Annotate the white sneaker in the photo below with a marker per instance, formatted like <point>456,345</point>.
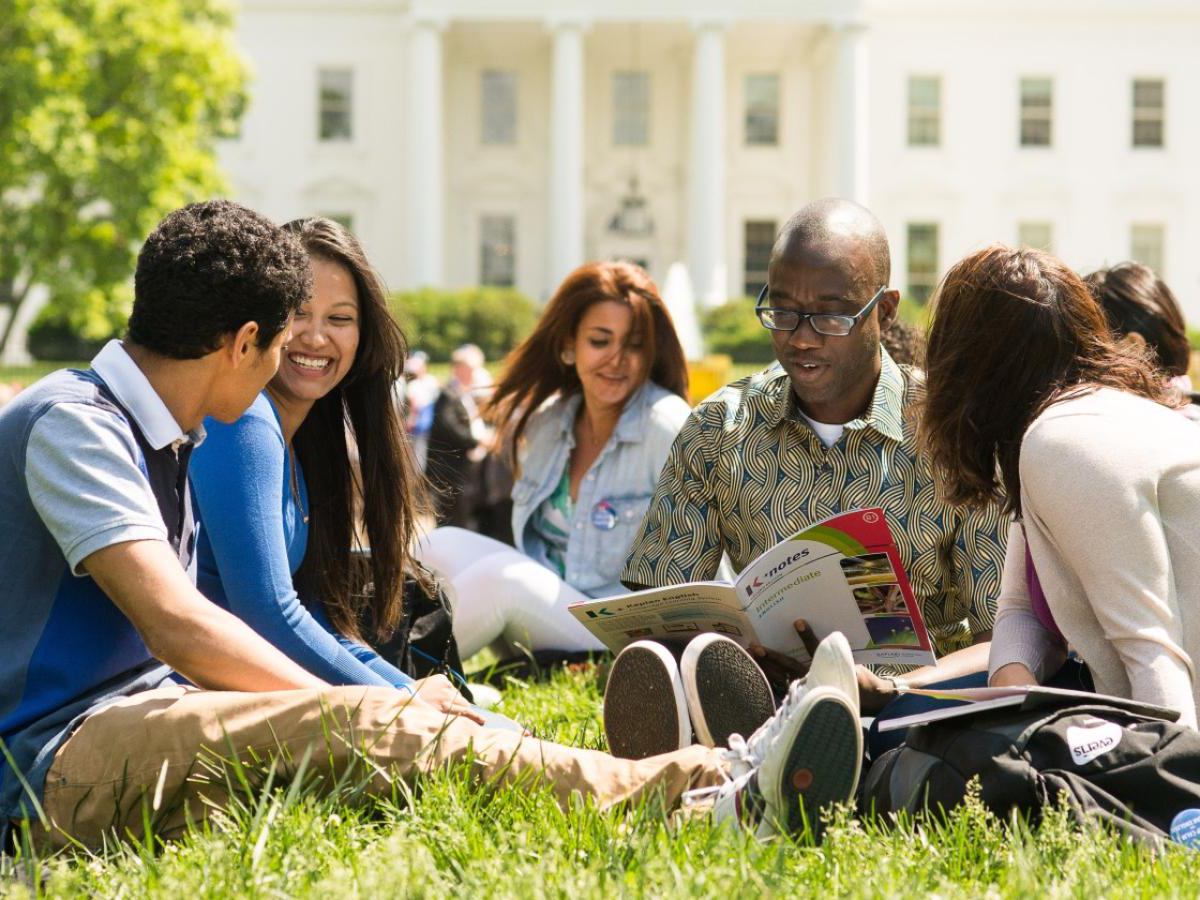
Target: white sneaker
<point>645,712</point>
<point>833,666</point>
<point>810,758</point>
<point>727,693</point>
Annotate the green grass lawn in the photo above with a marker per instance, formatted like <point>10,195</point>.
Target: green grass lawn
<point>451,838</point>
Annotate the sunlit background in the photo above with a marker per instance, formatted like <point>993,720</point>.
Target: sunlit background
<point>486,143</point>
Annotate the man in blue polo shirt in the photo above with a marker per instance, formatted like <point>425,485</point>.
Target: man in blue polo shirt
<point>98,613</point>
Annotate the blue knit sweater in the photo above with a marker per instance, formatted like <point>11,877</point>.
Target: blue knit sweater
<point>252,540</point>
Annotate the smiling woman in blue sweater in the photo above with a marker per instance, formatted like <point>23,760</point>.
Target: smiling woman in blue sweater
<point>275,490</point>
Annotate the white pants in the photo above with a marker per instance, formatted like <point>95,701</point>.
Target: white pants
<point>499,593</point>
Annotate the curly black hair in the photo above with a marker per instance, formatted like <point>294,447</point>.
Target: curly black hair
<point>207,270</point>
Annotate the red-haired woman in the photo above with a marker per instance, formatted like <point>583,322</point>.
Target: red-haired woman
<point>1032,399</point>
<point>593,400</point>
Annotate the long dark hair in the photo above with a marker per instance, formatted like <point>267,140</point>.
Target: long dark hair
<point>534,370</point>
<point>1135,300</point>
<point>1012,332</point>
<point>386,479</point>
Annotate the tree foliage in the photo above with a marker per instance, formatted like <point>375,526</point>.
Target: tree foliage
<point>109,110</point>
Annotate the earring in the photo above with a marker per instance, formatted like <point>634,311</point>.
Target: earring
<point>568,357</point>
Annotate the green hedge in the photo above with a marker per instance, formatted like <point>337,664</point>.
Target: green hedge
<point>438,321</point>
<point>733,329</point>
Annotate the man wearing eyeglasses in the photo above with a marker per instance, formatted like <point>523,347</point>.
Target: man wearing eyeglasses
<point>830,428</point>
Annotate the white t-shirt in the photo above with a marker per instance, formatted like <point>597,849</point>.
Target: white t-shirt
<point>828,434</point>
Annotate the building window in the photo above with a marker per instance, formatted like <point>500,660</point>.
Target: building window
<point>1146,245</point>
<point>924,111</point>
<point>335,104</point>
<point>1036,235</point>
<point>1148,94</point>
<point>498,107</point>
<point>631,109</point>
<point>1037,111</point>
<point>922,260</point>
<point>756,252</point>
<point>345,219</point>
<point>762,110</point>
<point>497,251</point>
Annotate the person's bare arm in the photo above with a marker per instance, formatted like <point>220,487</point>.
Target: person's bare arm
<point>182,628</point>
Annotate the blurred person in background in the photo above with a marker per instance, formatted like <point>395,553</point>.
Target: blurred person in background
<point>905,343</point>
<point>590,404</point>
<point>421,391</point>
<point>1141,309</point>
<point>1032,402</point>
<point>459,439</point>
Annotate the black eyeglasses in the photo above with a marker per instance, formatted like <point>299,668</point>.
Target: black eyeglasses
<point>822,323</point>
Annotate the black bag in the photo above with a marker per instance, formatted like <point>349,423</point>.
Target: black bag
<point>423,643</point>
<point>1131,770</point>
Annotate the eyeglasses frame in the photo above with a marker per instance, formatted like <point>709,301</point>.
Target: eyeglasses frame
<point>808,317</point>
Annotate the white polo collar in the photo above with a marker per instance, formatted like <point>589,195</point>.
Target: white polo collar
<point>135,393</point>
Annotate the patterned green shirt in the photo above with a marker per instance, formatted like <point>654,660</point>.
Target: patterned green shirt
<point>747,471</point>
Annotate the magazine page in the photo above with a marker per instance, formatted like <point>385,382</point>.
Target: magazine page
<point>842,574</point>
<point>670,615</point>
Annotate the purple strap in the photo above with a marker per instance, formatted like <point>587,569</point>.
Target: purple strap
<point>1037,597</point>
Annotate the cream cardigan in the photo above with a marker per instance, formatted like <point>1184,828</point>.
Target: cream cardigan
<point>1110,497</point>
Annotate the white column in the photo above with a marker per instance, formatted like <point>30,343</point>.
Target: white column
<point>706,227</point>
<point>853,113</point>
<point>425,188</point>
<point>566,150</point>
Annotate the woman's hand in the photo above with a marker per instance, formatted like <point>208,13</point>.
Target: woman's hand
<point>1013,674</point>
<point>440,693</point>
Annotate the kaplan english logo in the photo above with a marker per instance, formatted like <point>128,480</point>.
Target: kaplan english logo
<point>772,572</point>
<point>1089,742</point>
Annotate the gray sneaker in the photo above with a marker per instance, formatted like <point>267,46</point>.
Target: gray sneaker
<point>727,693</point>
<point>645,712</point>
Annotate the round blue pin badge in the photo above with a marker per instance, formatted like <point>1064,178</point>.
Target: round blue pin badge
<point>1185,828</point>
<point>604,516</point>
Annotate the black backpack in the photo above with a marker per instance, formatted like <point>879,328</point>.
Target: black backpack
<point>423,643</point>
<point>1115,765</point>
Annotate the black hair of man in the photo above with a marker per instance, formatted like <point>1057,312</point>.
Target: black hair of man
<point>207,270</point>
<point>824,231</point>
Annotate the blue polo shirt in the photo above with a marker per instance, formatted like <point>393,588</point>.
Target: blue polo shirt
<point>88,459</point>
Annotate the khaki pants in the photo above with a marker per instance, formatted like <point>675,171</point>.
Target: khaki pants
<point>147,752</point>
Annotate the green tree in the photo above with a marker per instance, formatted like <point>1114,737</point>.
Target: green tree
<point>109,111</point>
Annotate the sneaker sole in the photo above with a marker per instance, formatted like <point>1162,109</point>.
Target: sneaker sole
<point>645,712</point>
<point>828,747</point>
<point>726,691</point>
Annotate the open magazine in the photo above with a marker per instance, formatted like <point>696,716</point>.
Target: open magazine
<point>842,574</point>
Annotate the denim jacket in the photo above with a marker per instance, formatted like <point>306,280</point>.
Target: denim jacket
<point>613,495</point>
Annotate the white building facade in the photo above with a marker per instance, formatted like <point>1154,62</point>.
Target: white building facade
<point>507,141</point>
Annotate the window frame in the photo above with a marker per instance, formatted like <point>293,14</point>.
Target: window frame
<point>754,279</point>
<point>919,282</point>
<point>494,132</point>
<point>630,112</point>
<point>918,115</point>
<point>755,114</point>
<point>487,246</point>
<point>334,135</point>
<point>1144,115</point>
<point>1030,117</point>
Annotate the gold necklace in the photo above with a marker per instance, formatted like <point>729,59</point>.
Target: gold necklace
<point>296,486</point>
